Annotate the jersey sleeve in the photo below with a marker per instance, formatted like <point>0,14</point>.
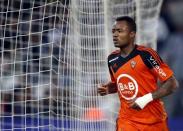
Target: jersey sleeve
<point>154,62</point>
<point>111,72</point>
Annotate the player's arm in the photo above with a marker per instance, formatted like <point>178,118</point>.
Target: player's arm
<point>162,72</point>
<point>167,88</point>
<point>107,88</point>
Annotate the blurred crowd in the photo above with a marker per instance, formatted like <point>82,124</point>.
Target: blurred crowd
<point>170,48</point>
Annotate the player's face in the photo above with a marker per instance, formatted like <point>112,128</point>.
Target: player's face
<point>122,36</point>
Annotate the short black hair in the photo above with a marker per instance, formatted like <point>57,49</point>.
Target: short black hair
<point>129,20</point>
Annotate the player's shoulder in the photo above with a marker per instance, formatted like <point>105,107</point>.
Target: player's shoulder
<point>148,53</point>
<point>146,49</point>
<point>113,55</point>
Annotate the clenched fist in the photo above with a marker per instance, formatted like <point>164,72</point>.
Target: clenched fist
<point>103,89</point>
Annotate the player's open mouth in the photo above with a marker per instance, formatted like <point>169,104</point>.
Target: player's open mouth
<point>115,40</point>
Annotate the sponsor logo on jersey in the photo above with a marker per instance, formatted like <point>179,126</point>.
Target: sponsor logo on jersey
<point>157,67</point>
<point>127,86</point>
<point>113,59</point>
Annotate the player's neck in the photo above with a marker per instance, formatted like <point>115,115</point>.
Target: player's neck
<point>125,51</point>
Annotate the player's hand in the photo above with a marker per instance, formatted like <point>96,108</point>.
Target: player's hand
<point>102,90</point>
<point>134,105</point>
<point>142,101</point>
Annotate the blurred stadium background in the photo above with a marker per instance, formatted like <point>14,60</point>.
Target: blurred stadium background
<point>53,56</point>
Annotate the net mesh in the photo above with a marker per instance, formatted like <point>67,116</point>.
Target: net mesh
<point>53,55</point>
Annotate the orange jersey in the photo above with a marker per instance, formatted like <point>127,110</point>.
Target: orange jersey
<point>136,75</point>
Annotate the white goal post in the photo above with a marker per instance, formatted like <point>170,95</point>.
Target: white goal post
<point>53,55</point>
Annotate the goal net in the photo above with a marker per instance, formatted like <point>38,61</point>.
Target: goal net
<point>53,56</point>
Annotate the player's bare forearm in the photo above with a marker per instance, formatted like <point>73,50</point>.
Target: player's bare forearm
<point>112,88</point>
<point>107,88</point>
<point>166,88</point>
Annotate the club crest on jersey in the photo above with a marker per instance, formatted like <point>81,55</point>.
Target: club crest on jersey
<point>133,63</point>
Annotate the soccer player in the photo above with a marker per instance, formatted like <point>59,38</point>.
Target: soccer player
<point>135,71</point>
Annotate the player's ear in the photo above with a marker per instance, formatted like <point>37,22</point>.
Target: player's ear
<point>132,34</point>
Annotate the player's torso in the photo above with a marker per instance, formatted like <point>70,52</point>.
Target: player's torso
<point>132,76</point>
<point>135,76</point>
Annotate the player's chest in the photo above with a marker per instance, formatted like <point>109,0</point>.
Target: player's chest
<point>127,66</point>
<point>128,74</point>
